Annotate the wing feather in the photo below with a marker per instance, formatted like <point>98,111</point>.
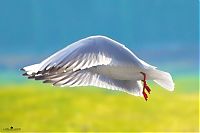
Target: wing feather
<point>88,78</point>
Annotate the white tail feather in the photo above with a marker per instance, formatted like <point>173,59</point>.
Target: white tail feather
<point>162,78</point>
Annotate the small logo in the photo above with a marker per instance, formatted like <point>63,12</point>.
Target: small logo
<point>11,129</point>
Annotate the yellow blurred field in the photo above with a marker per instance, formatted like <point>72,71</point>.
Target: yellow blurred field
<point>41,107</point>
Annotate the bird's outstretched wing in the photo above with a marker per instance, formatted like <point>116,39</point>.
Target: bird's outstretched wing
<point>87,77</point>
<point>92,51</point>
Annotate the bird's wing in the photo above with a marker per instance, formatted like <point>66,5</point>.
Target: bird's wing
<point>89,52</point>
<point>87,77</point>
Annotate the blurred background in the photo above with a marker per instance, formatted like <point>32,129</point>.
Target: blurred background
<point>162,33</point>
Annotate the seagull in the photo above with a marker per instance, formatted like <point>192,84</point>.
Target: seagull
<point>101,62</point>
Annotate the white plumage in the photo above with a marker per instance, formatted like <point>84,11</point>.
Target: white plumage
<point>98,61</point>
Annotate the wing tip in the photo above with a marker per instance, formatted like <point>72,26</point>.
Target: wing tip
<point>22,69</point>
<point>25,74</point>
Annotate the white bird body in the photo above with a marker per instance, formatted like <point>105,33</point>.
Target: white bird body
<point>98,61</point>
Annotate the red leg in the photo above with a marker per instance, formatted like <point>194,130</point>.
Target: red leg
<point>145,86</point>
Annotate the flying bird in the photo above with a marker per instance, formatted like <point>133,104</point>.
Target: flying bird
<point>102,62</point>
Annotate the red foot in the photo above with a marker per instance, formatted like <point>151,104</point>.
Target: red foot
<point>145,86</point>
<point>145,95</point>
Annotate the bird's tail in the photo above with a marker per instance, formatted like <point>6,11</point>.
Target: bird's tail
<point>162,78</point>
